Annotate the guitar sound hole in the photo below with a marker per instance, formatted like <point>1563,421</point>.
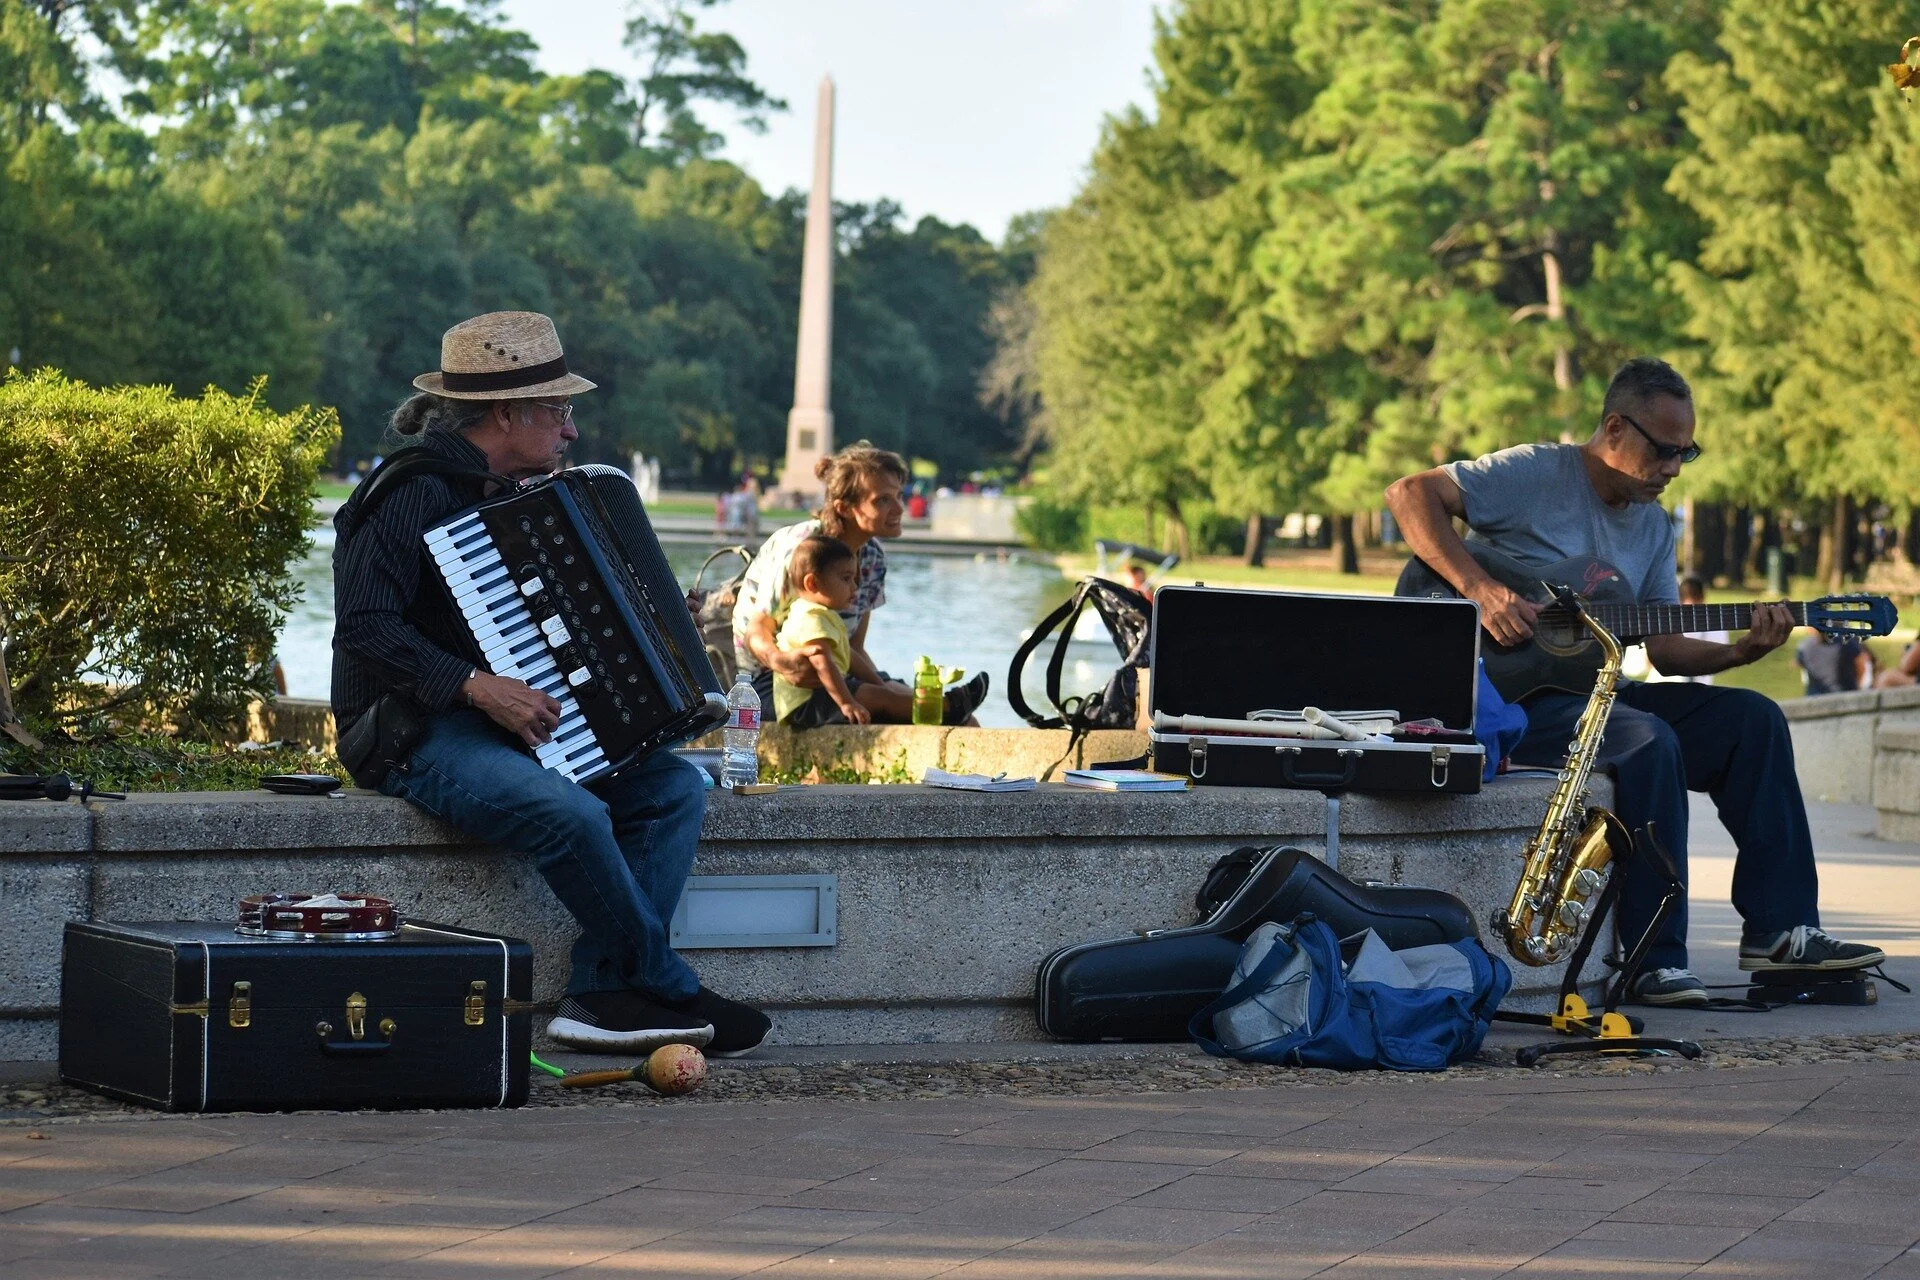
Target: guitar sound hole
<point>1560,636</point>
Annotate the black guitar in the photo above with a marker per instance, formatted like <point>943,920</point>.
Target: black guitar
<point>1563,655</point>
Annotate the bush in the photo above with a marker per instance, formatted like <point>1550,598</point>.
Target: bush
<point>147,540</point>
<point>1052,526</point>
<point>157,762</point>
<point>1215,533</point>
<point>1209,531</point>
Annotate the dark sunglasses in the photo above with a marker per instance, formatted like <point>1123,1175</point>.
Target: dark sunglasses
<point>1666,452</point>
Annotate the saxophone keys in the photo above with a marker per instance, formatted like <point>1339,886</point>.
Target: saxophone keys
<point>1587,880</point>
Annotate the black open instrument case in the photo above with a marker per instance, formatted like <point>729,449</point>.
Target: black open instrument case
<point>196,1017</point>
<point>1225,653</point>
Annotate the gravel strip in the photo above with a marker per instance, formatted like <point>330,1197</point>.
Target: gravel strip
<point>1149,1072</point>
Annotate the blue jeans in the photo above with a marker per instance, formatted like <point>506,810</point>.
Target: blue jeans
<point>616,853</point>
<point>1667,739</point>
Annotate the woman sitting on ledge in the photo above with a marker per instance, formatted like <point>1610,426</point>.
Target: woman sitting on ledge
<point>862,505</point>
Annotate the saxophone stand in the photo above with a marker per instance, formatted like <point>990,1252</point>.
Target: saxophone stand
<point>1613,1031</point>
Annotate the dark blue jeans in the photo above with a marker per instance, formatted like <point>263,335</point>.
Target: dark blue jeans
<point>615,853</point>
<point>1667,739</point>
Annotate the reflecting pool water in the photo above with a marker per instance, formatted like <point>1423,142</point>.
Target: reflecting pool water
<point>963,611</point>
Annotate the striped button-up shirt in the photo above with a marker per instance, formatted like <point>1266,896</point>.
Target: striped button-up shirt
<point>395,627</point>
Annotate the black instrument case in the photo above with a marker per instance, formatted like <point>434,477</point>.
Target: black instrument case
<point>1147,987</point>
<point>196,1017</point>
<point>1226,653</point>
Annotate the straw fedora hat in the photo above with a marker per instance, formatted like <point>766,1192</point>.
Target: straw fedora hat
<point>503,355</point>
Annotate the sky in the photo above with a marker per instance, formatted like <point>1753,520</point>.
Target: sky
<point>971,111</point>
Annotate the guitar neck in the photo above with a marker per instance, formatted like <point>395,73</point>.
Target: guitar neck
<point>1672,619</point>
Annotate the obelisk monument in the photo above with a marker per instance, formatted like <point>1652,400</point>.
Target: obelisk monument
<point>810,422</point>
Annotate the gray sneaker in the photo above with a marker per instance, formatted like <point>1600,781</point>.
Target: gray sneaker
<point>1805,947</point>
<point>1669,987</point>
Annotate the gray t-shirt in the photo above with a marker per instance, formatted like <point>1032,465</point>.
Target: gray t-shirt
<point>1534,503</point>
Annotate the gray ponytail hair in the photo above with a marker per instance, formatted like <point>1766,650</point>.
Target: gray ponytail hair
<point>423,411</point>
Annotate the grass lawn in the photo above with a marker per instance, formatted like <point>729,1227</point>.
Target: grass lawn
<point>1774,675</point>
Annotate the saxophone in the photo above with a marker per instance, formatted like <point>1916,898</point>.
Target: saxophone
<point>1568,859</point>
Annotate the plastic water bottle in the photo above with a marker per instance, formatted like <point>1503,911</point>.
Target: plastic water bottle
<point>929,695</point>
<point>740,759</point>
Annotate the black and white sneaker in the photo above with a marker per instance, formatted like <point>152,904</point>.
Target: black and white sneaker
<point>1805,947</point>
<point>1670,987</point>
<point>737,1028</point>
<point>963,699</point>
<point>625,1022</point>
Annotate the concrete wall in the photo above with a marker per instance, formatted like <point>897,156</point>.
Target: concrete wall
<point>1833,737</point>
<point>1896,782</point>
<point>948,901</point>
<point>975,517</point>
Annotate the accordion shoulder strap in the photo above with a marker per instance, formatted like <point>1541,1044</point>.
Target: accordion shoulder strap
<point>405,465</point>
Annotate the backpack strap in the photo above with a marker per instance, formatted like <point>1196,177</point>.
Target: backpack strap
<point>403,466</point>
<point>1027,646</point>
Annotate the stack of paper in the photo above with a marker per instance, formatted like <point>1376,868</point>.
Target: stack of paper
<point>1124,780</point>
<point>976,781</point>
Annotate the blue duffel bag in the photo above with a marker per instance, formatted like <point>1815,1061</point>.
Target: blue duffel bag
<point>1293,1001</point>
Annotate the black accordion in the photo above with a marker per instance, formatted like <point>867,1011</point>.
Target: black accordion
<point>563,585</point>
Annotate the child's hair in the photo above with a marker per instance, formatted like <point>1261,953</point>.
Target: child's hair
<point>816,554</point>
<point>1692,586</point>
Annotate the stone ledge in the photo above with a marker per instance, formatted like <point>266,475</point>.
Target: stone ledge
<point>1833,738</point>
<point>1896,782</point>
<point>41,826</point>
<point>161,822</point>
<point>948,900</point>
<point>1831,704</point>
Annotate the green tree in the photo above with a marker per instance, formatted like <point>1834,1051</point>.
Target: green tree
<point>685,66</point>
<point>1797,334</point>
<point>1354,239</point>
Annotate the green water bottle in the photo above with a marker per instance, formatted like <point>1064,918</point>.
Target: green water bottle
<point>929,696</point>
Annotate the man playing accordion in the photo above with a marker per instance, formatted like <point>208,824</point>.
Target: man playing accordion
<point>616,852</point>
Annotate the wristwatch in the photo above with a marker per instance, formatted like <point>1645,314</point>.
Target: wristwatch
<point>465,692</point>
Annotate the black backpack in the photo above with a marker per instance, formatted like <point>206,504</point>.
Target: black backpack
<point>1129,619</point>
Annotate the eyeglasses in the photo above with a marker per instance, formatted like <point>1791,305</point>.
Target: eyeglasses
<point>564,410</point>
<point>1666,452</point>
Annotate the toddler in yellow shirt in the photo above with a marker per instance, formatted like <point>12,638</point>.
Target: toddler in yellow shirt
<point>823,572</point>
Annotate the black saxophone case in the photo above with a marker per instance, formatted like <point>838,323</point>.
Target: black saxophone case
<point>1224,654</point>
<point>196,1017</point>
<point>1148,986</point>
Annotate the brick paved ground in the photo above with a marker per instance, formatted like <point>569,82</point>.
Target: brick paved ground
<point>1783,1171</point>
<point>1792,1172</point>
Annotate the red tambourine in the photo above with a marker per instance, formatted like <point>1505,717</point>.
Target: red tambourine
<point>319,917</point>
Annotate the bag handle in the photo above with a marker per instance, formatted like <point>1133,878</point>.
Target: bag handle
<point>1308,933</point>
<point>1020,656</point>
<point>1284,948</point>
<point>746,558</point>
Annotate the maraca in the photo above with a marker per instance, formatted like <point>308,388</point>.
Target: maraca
<point>670,1069</point>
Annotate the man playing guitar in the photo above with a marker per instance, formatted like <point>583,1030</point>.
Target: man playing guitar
<point>1541,503</point>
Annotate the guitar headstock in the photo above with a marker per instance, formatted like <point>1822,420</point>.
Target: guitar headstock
<point>1858,615</point>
